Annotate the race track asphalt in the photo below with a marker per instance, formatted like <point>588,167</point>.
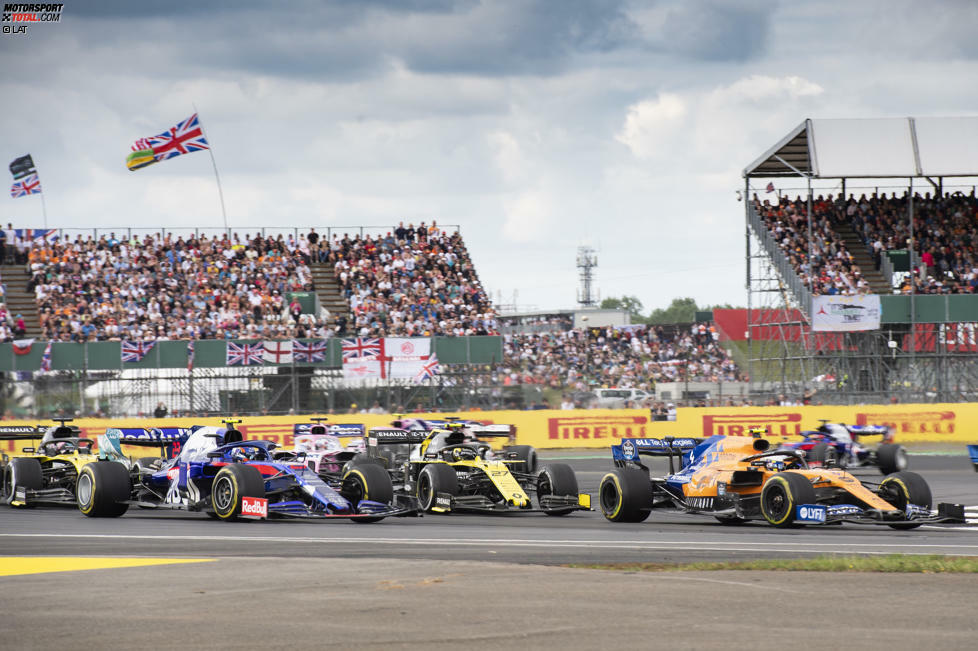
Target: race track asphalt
<point>582,537</point>
<point>477,581</point>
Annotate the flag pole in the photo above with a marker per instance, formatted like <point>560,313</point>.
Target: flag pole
<point>44,208</point>
<point>210,150</point>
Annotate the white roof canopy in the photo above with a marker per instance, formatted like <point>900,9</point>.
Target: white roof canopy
<point>874,148</point>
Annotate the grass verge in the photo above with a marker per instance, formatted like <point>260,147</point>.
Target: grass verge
<point>911,563</point>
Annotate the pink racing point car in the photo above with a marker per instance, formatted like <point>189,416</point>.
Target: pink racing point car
<point>321,446</point>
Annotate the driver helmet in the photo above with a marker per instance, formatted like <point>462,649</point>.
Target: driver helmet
<point>757,431</point>
<point>240,454</point>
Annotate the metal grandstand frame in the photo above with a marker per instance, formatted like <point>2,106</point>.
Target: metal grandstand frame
<point>899,362</point>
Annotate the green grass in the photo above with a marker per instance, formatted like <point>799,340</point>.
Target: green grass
<point>906,563</point>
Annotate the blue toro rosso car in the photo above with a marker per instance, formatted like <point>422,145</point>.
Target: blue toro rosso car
<point>219,473</point>
<point>843,446</point>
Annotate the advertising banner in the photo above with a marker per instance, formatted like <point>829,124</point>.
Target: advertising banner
<point>846,313</point>
<point>600,428</point>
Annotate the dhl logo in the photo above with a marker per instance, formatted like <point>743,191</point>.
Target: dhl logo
<point>787,424</point>
<point>917,422</point>
<point>597,427</point>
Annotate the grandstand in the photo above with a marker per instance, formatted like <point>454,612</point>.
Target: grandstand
<point>95,290</point>
<point>915,251</point>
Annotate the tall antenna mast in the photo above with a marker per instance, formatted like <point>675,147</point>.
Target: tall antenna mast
<point>587,260</point>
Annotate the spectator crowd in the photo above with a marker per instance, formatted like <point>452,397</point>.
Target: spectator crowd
<point>412,281</point>
<point>167,287</point>
<point>634,357</point>
<point>945,240</point>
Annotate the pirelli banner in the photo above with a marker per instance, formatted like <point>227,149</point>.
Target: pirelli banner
<point>599,428</point>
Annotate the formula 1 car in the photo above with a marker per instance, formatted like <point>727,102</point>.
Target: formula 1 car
<point>227,477</point>
<point>476,432</point>
<point>46,473</point>
<point>737,478</point>
<point>838,444</point>
<point>320,443</point>
<point>448,473</point>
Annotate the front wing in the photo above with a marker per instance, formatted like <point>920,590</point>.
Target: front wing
<point>447,503</point>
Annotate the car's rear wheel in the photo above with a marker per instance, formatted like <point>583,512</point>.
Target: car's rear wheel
<point>102,489</point>
<point>367,481</point>
<point>902,488</point>
<point>891,458</point>
<point>527,454</point>
<point>231,484</point>
<point>819,454</point>
<point>780,496</point>
<point>557,479</point>
<point>625,495</point>
<point>24,473</point>
<point>436,478</point>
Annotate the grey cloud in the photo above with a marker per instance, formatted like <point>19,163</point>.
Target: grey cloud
<point>713,30</point>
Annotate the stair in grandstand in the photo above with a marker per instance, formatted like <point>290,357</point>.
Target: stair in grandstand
<point>328,290</point>
<point>862,256</point>
<point>18,299</point>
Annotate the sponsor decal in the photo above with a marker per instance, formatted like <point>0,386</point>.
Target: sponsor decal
<point>810,513</point>
<point>444,502</point>
<point>844,509</point>
<point>914,511</point>
<point>20,495</point>
<point>628,450</point>
<point>784,424</point>
<point>915,422</point>
<point>596,427</point>
<point>254,507</point>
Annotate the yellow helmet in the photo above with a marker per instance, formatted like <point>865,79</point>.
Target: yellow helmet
<point>758,431</point>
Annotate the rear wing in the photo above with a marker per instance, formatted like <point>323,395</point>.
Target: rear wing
<point>19,432</point>
<point>394,436</point>
<point>335,429</point>
<point>488,431</point>
<point>168,439</point>
<point>631,449</point>
<point>868,430</point>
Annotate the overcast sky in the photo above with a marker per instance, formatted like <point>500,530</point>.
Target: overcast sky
<point>537,126</point>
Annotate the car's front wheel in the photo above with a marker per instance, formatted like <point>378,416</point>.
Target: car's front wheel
<point>780,496</point>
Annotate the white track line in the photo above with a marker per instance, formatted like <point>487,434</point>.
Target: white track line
<point>697,545</point>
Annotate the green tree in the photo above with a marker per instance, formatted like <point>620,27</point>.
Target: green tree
<point>628,303</point>
<point>681,310</point>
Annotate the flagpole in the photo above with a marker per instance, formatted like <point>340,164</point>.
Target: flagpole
<point>44,208</point>
<point>210,150</point>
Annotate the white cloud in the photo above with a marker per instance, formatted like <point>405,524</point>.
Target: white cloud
<point>650,124</point>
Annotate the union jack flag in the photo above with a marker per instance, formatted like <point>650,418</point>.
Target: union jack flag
<point>46,358</point>
<point>359,348</point>
<point>428,370</point>
<point>135,351</point>
<point>245,354</point>
<point>30,185</point>
<point>314,351</point>
<point>185,138</point>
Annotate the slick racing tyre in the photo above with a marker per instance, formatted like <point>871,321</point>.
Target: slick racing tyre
<point>625,495</point>
<point>436,478</point>
<point>780,496</point>
<point>102,489</point>
<point>891,458</point>
<point>21,472</point>
<point>231,483</point>
<point>820,455</point>
<point>367,481</point>
<point>557,479</point>
<point>527,454</point>
<point>902,488</point>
